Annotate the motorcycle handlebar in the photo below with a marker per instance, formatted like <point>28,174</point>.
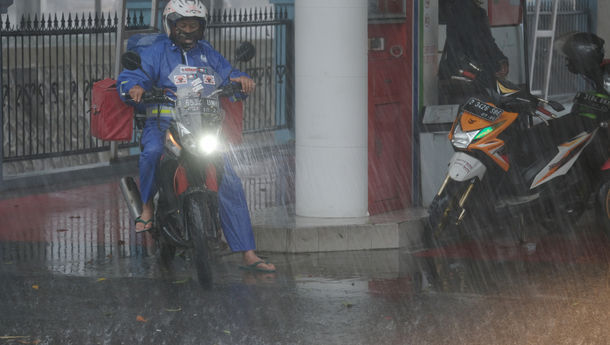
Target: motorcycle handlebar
<point>154,96</point>
<point>229,90</point>
<point>155,99</point>
<point>523,96</point>
<point>158,96</point>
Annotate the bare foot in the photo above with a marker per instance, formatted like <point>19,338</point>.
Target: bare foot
<point>250,259</point>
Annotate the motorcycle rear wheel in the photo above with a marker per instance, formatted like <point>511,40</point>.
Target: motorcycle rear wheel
<point>198,223</point>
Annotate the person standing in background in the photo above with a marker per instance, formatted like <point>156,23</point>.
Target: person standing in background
<point>469,39</point>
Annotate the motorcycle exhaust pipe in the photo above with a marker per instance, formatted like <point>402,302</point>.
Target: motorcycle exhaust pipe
<point>131,194</point>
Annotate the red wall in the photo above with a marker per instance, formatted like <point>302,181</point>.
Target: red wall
<point>390,85</point>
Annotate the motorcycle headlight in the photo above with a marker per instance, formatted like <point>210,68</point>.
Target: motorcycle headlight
<point>208,143</point>
<point>462,139</point>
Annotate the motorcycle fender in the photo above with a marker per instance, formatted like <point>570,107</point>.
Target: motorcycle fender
<point>192,190</point>
<point>463,167</point>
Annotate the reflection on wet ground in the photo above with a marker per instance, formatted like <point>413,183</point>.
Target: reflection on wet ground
<point>68,230</point>
<point>73,271</point>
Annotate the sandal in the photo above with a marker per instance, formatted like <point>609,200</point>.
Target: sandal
<point>254,267</point>
<point>145,222</point>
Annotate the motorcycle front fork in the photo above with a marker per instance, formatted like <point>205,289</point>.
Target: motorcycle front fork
<point>462,199</point>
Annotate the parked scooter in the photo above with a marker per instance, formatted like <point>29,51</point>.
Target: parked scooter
<point>190,169</point>
<point>508,171</point>
<point>584,53</point>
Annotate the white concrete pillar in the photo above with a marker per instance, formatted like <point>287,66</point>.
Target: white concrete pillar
<point>331,108</point>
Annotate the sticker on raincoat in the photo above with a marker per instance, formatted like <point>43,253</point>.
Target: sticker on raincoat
<point>180,79</point>
<point>209,79</point>
<point>196,82</point>
<point>187,69</point>
<point>197,87</point>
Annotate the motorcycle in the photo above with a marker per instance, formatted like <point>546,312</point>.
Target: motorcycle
<point>508,168</point>
<point>191,167</point>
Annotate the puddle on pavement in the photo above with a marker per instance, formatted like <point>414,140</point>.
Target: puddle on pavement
<point>95,239</point>
<point>348,276</point>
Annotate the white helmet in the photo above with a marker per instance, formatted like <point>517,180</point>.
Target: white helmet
<point>177,9</point>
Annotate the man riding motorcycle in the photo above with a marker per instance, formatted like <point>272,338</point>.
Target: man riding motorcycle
<point>184,22</point>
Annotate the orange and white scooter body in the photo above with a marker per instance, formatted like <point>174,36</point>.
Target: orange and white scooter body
<point>472,133</point>
<point>565,158</point>
<point>463,167</point>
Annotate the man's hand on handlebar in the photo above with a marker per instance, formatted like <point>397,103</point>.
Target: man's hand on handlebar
<point>247,85</point>
<point>136,93</point>
<point>154,96</point>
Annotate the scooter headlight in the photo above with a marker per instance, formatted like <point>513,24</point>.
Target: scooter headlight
<point>208,143</point>
<point>462,139</point>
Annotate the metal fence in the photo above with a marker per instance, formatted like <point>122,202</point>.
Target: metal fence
<point>271,106</point>
<point>572,15</point>
<point>48,68</point>
<point>49,65</point>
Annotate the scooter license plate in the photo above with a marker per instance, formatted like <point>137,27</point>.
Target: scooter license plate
<point>483,110</point>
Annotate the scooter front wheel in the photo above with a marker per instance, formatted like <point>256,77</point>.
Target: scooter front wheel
<point>446,214</point>
<point>603,207</point>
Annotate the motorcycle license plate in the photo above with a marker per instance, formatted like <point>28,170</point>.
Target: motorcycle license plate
<point>203,105</point>
<point>483,110</point>
<point>210,106</point>
<point>592,101</point>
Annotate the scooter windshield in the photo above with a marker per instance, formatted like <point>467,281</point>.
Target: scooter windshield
<point>196,102</point>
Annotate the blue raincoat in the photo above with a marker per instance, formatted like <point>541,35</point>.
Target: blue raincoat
<point>159,60</point>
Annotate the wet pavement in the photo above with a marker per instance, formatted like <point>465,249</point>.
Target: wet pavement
<point>73,272</point>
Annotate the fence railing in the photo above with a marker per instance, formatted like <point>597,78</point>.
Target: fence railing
<point>271,106</point>
<point>49,65</point>
<point>48,68</point>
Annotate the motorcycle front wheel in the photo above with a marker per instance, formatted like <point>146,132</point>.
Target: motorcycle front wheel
<point>198,223</point>
<point>167,251</point>
<point>603,206</point>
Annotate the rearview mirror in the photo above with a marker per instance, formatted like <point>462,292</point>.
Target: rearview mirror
<point>131,60</point>
<point>245,52</point>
